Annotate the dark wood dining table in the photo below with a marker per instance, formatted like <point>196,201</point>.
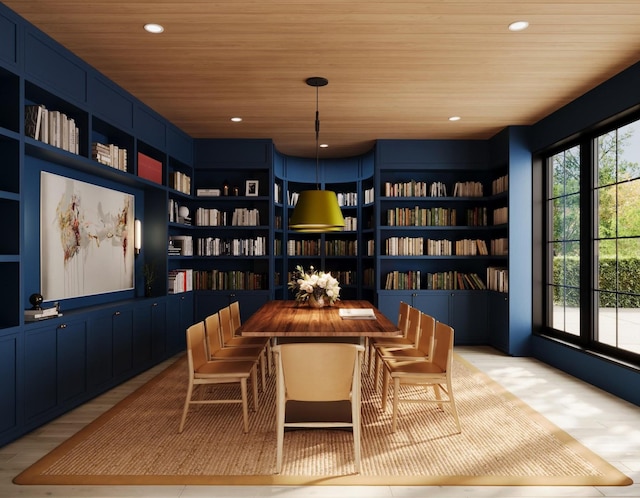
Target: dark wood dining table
<point>283,319</point>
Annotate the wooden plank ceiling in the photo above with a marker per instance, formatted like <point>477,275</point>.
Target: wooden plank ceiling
<point>396,69</point>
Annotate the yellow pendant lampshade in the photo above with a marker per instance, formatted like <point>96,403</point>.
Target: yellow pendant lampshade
<point>318,210</point>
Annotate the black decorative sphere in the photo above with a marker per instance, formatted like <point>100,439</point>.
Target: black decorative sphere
<point>36,300</point>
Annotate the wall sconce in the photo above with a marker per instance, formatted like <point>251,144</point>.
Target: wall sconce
<point>137,236</point>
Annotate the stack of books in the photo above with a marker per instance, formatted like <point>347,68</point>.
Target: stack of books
<point>40,314</point>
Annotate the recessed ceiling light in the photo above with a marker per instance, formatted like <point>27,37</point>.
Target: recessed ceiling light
<point>153,28</point>
<point>324,146</point>
<point>236,119</point>
<point>518,26</point>
<point>454,118</point>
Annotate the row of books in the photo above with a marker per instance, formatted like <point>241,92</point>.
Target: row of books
<point>419,246</point>
<point>347,198</point>
<point>415,188</point>
<point>500,215</point>
<point>180,280</point>
<point>500,185</point>
<point>229,280</point>
<point>468,189</point>
<point>454,280</point>
<point>350,224</point>
<point>174,215</point>
<point>418,216</point>
<point>213,217</point>
<point>397,280</point>
<point>109,155</point>
<point>52,127</point>
<point>341,247</point>
<point>303,247</point>
<point>180,181</point>
<point>180,245</point>
<point>500,247</point>
<point>369,195</point>
<point>498,279</point>
<point>215,246</point>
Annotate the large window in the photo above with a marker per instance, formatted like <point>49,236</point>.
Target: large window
<point>617,238</point>
<point>564,241</point>
<point>593,242</point>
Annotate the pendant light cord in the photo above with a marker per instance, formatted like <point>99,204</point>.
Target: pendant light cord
<point>317,140</point>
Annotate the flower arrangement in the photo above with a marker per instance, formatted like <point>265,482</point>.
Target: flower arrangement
<point>314,286</point>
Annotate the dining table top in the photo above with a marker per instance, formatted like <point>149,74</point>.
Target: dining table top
<point>281,318</point>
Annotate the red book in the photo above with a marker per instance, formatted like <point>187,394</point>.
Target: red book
<point>149,168</point>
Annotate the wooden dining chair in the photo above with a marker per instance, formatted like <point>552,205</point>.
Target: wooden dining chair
<point>232,339</point>
<point>403,323</point>
<point>217,350</point>
<point>312,372</point>
<point>422,352</point>
<point>435,373</point>
<point>204,372</point>
<point>409,341</point>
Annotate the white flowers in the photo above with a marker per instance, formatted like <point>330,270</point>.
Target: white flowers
<point>320,284</point>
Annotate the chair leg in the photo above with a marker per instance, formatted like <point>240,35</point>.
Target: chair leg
<point>385,388</point>
<point>187,402</point>
<point>396,396</point>
<point>254,385</point>
<point>245,409</point>
<point>452,402</point>
<point>356,421</point>
<point>263,368</point>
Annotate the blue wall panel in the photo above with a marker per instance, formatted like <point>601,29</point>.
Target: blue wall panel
<point>149,128</point>
<point>47,64</point>
<point>180,145</point>
<point>8,40</point>
<point>110,104</point>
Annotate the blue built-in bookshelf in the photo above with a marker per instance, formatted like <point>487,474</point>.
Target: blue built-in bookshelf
<point>102,339</point>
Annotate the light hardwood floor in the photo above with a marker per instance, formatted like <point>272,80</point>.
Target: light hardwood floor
<point>604,423</point>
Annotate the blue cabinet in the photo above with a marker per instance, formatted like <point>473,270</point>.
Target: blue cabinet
<point>465,311</point>
<point>100,349</point>
<point>179,318</point>
<point>9,351</point>
<point>122,327</point>
<point>54,365</point>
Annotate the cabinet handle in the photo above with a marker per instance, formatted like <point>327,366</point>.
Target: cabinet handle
<point>62,326</point>
<point>154,304</point>
<point>117,313</point>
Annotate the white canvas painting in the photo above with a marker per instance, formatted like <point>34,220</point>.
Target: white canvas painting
<point>86,238</point>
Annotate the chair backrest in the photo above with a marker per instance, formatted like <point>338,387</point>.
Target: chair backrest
<point>427,332</point>
<point>234,309</point>
<point>413,326</point>
<point>226,329</point>
<point>319,371</point>
<point>196,348</point>
<point>212,328</point>
<point>442,346</point>
<point>403,317</point>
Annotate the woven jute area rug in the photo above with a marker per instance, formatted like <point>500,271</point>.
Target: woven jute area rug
<point>503,442</point>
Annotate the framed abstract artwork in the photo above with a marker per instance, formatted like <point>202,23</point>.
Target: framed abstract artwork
<point>86,238</point>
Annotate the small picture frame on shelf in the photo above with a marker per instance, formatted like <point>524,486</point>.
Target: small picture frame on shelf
<point>251,188</point>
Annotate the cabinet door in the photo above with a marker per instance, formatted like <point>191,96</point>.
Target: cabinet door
<point>435,304</point>
<point>39,371</point>
<point>142,335</point>
<point>468,317</point>
<point>71,360</point>
<point>99,349</point>
<point>122,330</point>
<point>158,329</point>
<point>389,303</point>
<point>9,375</point>
<point>179,318</point>
<point>498,321</point>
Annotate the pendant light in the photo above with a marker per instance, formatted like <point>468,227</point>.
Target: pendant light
<point>317,210</point>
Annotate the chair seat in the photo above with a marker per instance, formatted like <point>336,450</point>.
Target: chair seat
<point>409,368</point>
<point>392,352</point>
<point>237,354</point>
<point>231,369</point>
